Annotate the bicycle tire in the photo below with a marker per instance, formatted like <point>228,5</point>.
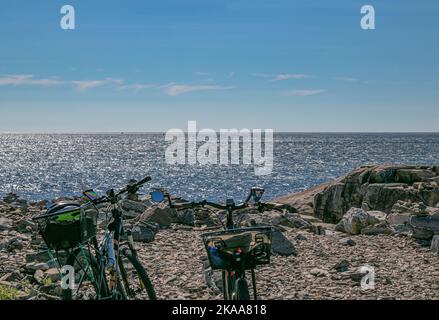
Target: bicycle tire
<point>127,286</point>
<point>242,291</point>
<point>229,282</point>
<point>100,291</point>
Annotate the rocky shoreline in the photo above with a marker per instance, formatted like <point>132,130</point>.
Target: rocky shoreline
<point>382,216</point>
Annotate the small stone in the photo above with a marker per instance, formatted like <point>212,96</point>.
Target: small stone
<point>39,276</point>
<point>300,237</point>
<point>16,245</point>
<point>342,266</point>
<point>5,224</point>
<point>347,242</point>
<point>319,273</point>
<point>37,266</point>
<point>435,244</point>
<point>52,274</point>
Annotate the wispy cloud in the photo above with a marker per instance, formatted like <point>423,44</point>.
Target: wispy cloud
<point>280,76</point>
<point>171,89</point>
<point>304,92</point>
<point>90,84</point>
<point>178,89</point>
<point>137,86</point>
<point>286,76</point>
<point>202,73</point>
<point>27,80</point>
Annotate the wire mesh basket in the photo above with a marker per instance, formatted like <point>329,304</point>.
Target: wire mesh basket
<point>253,245</point>
<point>68,225</point>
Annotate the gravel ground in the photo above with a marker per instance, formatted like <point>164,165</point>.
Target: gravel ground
<point>403,269</point>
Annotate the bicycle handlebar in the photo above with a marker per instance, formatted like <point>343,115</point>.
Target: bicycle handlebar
<point>106,198</point>
<point>135,185</point>
<point>261,206</point>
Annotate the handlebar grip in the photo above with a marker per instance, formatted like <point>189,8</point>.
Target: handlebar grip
<point>136,185</point>
<point>143,181</point>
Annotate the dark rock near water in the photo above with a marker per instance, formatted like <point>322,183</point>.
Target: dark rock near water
<point>281,245</point>
<point>424,227</point>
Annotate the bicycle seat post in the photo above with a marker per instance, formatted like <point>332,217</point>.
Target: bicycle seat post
<point>230,203</point>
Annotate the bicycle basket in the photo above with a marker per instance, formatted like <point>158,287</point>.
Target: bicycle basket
<point>67,225</point>
<point>253,243</point>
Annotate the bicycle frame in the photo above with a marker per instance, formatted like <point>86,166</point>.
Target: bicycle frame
<point>240,273</point>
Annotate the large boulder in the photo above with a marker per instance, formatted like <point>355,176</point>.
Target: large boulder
<point>281,245</point>
<point>380,228</point>
<point>163,216</point>
<point>303,201</point>
<point>274,218</point>
<point>184,217</point>
<point>377,187</point>
<point>143,233</point>
<point>357,221</point>
<point>425,227</point>
<point>132,209</point>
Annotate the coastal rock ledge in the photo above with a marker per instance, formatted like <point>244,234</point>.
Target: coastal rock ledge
<point>371,188</point>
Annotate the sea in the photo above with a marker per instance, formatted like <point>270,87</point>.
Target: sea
<point>47,166</point>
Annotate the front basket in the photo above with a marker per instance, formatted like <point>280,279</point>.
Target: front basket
<point>253,243</point>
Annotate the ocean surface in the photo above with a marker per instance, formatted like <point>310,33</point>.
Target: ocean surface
<point>45,166</point>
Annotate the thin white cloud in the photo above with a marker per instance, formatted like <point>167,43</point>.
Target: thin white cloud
<point>178,89</point>
<point>304,92</point>
<point>280,76</point>
<point>171,89</point>
<point>90,84</point>
<point>287,76</point>
<point>27,80</point>
<point>137,86</point>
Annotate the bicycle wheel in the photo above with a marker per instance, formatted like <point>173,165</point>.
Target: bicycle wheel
<point>90,282</point>
<point>242,291</point>
<point>134,280</point>
<point>229,281</point>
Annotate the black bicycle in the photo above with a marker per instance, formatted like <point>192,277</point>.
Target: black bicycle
<point>105,269</point>
<point>233,250</point>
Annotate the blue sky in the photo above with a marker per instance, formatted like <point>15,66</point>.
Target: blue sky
<point>282,64</point>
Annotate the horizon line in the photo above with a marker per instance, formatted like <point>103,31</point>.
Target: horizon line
<point>275,132</point>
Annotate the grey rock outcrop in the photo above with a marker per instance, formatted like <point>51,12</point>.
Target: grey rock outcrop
<point>425,227</point>
<point>358,221</point>
<point>379,188</point>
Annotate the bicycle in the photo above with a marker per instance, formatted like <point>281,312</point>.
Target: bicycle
<point>108,269</point>
<point>233,250</point>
